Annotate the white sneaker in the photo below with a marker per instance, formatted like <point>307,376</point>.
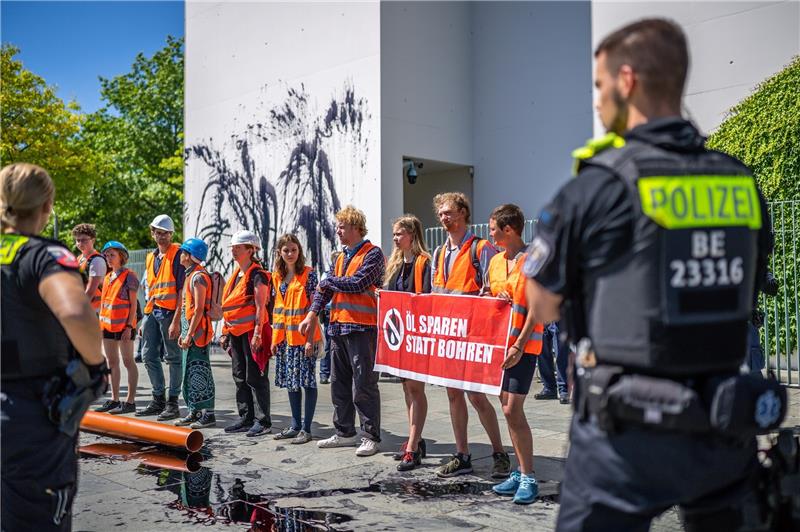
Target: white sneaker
<point>367,448</point>
<point>337,441</point>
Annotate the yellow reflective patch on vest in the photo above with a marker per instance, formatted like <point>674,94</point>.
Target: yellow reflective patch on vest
<point>9,246</point>
<point>683,202</point>
<point>595,146</point>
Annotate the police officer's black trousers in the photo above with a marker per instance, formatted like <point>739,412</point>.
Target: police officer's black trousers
<point>39,463</point>
<point>622,481</point>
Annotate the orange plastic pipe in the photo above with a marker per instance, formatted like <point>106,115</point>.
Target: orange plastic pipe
<point>129,428</point>
<point>154,458</point>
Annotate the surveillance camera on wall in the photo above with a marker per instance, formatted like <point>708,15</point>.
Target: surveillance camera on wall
<point>411,173</point>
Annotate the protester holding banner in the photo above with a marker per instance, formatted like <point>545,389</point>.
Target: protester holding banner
<point>459,267</point>
<point>408,270</point>
<point>293,287</point>
<point>505,227</point>
<point>351,288</point>
<point>244,307</point>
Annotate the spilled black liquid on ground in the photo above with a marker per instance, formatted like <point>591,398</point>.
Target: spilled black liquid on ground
<point>207,498</point>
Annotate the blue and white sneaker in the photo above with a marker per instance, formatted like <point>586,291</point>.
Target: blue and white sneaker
<point>527,491</point>
<point>509,486</point>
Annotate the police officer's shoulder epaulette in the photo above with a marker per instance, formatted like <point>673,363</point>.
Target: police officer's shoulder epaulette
<point>593,147</point>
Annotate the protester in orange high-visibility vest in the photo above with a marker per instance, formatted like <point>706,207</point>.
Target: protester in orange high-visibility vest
<point>118,322</point>
<point>525,342</point>
<point>93,266</point>
<point>293,287</point>
<point>351,289</point>
<point>459,267</point>
<point>409,270</point>
<point>196,335</point>
<point>164,276</point>
<point>244,306</point>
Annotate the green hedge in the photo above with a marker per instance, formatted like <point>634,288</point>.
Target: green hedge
<point>763,131</point>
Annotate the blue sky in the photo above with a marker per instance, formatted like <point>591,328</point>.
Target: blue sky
<point>71,44</point>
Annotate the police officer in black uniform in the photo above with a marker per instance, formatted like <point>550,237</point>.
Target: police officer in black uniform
<point>47,326</point>
<point>652,253</point>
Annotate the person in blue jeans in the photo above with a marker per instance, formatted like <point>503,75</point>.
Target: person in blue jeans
<point>554,377</point>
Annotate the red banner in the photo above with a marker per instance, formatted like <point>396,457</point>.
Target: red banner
<point>449,340</point>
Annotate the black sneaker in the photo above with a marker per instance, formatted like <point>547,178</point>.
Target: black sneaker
<point>411,459</point>
<point>108,405</point>
<point>188,420</point>
<point>287,433</point>
<point>171,411</point>
<point>240,426</point>
<point>138,359</point>
<point>501,467</point>
<point>258,430</point>
<point>456,466</point>
<point>123,408</point>
<point>207,420</point>
<point>155,407</point>
<point>324,380</point>
<point>545,395</point>
<point>564,399</point>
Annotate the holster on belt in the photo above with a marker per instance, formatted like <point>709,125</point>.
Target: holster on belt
<point>592,397</point>
<point>662,403</point>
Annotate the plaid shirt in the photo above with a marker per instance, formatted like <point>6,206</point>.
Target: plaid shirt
<point>369,274</point>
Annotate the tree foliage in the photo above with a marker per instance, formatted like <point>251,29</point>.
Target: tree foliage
<point>38,127</point>
<point>139,132</point>
<point>763,131</point>
<point>118,167</point>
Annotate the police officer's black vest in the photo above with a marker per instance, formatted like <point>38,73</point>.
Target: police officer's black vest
<point>678,301</point>
<point>34,344</point>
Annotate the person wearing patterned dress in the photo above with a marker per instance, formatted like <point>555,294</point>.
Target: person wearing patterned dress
<point>195,339</point>
<point>293,286</point>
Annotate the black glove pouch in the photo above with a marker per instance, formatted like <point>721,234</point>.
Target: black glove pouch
<point>746,405</point>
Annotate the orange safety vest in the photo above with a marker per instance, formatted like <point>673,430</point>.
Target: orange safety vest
<point>519,311</point>
<point>204,332</point>
<point>359,308</point>
<point>114,310</point>
<point>162,288</point>
<point>464,278</point>
<point>420,265</point>
<point>289,310</point>
<point>500,278</point>
<point>83,266</point>
<point>239,307</point>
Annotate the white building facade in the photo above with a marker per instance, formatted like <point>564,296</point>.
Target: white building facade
<point>294,110</point>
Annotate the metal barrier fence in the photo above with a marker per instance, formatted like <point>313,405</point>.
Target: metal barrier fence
<point>780,336</point>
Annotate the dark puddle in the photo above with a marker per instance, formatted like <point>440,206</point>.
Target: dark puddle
<point>204,499</point>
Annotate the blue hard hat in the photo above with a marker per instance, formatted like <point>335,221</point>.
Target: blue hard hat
<point>196,248</point>
<point>113,244</point>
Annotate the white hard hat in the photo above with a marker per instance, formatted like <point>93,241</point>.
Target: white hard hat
<point>163,222</point>
<point>245,237</point>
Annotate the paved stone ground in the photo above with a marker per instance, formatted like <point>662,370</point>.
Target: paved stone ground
<point>299,487</point>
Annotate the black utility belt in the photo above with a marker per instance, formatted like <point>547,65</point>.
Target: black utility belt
<point>739,406</point>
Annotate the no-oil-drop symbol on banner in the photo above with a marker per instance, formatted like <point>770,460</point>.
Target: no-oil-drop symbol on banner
<point>393,331</point>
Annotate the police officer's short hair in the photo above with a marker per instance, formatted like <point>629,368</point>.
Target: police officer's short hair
<point>509,214</point>
<point>656,50</point>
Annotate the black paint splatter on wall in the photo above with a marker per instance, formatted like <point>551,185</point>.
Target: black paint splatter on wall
<point>301,197</point>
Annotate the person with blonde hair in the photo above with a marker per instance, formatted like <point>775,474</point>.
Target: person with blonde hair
<point>47,323</point>
<point>408,270</point>
<point>293,287</point>
<point>353,329</point>
<point>460,266</point>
